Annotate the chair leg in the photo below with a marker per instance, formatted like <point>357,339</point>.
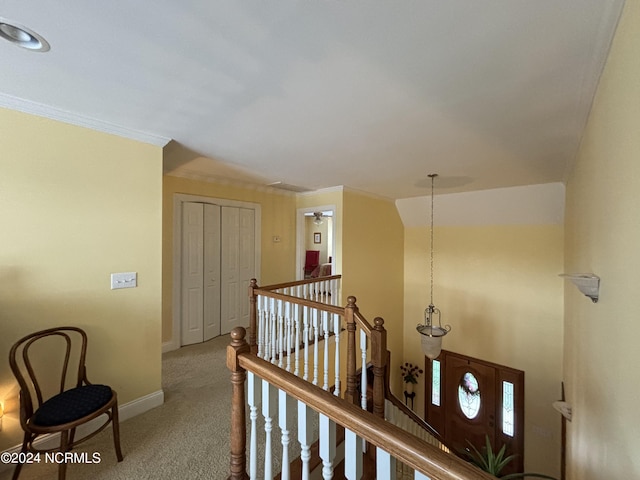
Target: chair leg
<point>64,447</point>
<point>115,423</point>
<point>24,449</point>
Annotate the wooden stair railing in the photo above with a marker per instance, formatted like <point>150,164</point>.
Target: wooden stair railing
<point>392,442</point>
<point>285,304</point>
<point>280,309</point>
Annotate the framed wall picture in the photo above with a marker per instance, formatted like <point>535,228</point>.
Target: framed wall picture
<point>317,237</point>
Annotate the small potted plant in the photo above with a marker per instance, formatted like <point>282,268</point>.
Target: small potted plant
<point>493,463</point>
<point>410,374</point>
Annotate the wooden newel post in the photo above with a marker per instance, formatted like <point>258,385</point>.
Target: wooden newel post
<point>237,347</point>
<point>351,393</point>
<point>253,315</point>
<point>379,360</point>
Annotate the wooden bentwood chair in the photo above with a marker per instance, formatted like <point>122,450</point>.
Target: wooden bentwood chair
<point>70,403</point>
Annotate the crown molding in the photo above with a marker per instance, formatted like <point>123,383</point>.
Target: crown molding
<point>46,111</point>
<point>210,178</point>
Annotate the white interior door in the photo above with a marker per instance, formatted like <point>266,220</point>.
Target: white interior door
<point>192,273</point>
<point>218,262</point>
<point>238,265</point>
<point>211,281</point>
<point>247,263</point>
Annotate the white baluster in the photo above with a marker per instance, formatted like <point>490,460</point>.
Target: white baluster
<point>296,326</point>
<point>280,332</point>
<point>325,327</point>
<point>385,465</point>
<point>269,400</point>
<point>253,399</point>
<point>353,456</point>
<point>363,372</point>
<point>283,423</point>
<point>304,437</point>
<point>266,329</point>
<point>327,446</point>
<point>259,326</point>
<point>315,315</point>
<point>336,330</point>
<point>273,329</point>
<point>306,332</point>
<point>334,291</point>
<point>289,333</point>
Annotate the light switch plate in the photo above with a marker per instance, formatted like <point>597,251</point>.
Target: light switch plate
<point>124,280</point>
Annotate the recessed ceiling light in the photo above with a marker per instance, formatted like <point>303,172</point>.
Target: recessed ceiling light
<point>22,36</point>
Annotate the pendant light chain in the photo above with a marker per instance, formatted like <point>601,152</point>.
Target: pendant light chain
<point>430,333</point>
<point>433,176</point>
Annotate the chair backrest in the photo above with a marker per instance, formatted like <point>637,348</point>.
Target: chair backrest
<point>312,258</point>
<point>46,363</point>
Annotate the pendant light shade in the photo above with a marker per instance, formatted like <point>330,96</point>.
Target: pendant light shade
<point>430,333</point>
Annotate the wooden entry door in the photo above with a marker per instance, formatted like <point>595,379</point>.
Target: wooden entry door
<point>467,399</point>
<point>470,403</point>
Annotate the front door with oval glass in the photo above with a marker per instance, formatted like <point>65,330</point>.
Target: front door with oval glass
<point>469,399</point>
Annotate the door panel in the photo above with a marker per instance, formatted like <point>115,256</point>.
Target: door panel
<point>192,272</point>
<point>230,268</point>
<point>498,414</point>
<point>247,260</point>
<point>469,416</point>
<point>211,314</point>
<point>218,263</point>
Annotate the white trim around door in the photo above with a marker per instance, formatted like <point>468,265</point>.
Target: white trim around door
<point>178,199</point>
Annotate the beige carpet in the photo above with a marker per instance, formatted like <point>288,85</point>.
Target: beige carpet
<point>185,438</point>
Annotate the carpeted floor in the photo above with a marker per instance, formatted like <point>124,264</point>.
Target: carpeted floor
<point>185,438</point>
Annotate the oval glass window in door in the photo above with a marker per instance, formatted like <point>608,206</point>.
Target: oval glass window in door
<point>469,395</point>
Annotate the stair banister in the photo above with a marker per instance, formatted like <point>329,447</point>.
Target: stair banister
<point>323,312</point>
<point>238,347</point>
<point>349,316</point>
<point>429,461</point>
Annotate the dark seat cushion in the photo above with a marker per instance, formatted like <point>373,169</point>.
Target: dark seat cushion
<point>72,405</point>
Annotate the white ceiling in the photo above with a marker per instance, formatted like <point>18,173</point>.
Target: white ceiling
<point>371,94</point>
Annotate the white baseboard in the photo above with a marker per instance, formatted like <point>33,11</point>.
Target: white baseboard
<point>169,346</point>
<point>140,405</point>
<point>125,412</point>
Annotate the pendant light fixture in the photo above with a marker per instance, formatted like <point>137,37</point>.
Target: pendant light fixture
<point>318,219</point>
<point>431,334</point>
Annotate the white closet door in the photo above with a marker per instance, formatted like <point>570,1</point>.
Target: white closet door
<point>238,265</point>
<point>192,273</point>
<point>247,261</point>
<point>211,281</point>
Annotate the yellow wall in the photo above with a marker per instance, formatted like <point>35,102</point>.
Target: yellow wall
<point>498,288</point>
<point>602,236</point>
<point>278,219</point>
<point>372,264</point>
<point>78,205</point>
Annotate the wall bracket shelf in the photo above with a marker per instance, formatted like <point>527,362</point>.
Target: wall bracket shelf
<point>587,283</point>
